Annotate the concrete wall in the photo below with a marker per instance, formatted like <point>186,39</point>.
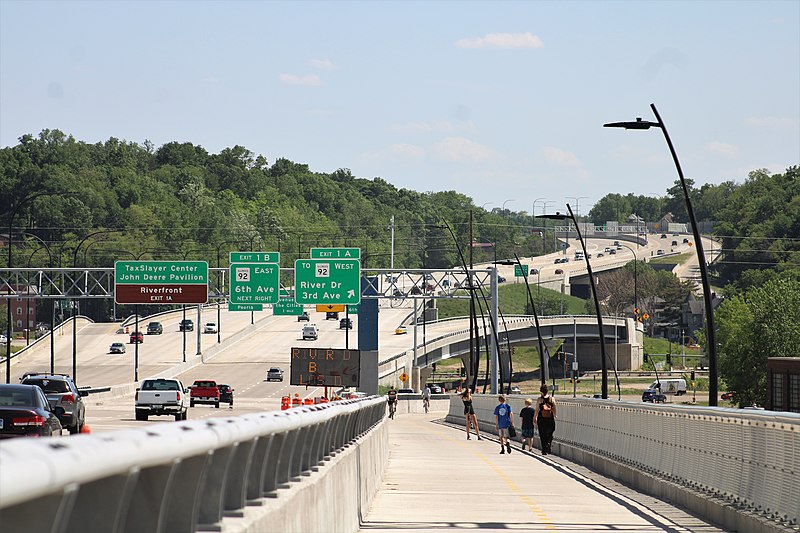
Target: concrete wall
<point>736,468</point>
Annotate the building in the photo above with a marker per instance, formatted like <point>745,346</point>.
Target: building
<point>23,308</point>
<point>783,384</point>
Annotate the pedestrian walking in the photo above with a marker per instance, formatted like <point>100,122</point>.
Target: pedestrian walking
<point>503,419</point>
<point>469,413</point>
<point>545,418</point>
<point>527,415</point>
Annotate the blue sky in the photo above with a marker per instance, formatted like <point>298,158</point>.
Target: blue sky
<point>502,101</point>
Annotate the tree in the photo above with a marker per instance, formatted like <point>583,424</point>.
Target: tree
<point>760,323</point>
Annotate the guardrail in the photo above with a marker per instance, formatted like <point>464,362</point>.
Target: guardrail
<point>195,475</point>
<point>738,468</point>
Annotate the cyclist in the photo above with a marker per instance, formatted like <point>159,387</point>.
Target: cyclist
<point>426,399</point>
<point>391,397</point>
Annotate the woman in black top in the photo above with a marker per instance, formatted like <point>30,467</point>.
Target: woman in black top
<point>469,413</point>
<point>545,419</point>
<point>527,415</point>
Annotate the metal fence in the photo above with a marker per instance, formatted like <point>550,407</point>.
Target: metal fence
<point>748,458</point>
<point>172,477</point>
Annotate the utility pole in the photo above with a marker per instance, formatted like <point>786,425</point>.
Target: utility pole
<point>391,227</point>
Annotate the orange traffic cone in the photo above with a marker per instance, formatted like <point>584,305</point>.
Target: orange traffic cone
<point>85,428</point>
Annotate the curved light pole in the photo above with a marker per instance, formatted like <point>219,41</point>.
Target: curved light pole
<point>635,278</point>
<point>601,332</point>
<point>505,202</point>
<point>483,206</point>
<point>10,242</point>
<point>711,344</point>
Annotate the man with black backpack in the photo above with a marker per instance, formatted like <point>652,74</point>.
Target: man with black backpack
<point>545,418</point>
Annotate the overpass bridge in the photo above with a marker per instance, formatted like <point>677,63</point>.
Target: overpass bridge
<point>449,338</point>
<point>346,467</point>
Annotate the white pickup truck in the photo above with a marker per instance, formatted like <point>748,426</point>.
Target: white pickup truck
<point>161,396</point>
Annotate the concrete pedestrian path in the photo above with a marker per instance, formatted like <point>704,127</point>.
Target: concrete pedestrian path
<point>439,481</point>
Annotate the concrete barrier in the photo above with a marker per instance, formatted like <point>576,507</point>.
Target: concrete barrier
<point>314,468</point>
<point>736,468</point>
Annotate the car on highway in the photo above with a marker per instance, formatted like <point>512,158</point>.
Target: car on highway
<point>332,315</point>
<point>415,291</point>
<point>663,235</point>
<point>515,390</point>
<point>685,241</point>
<point>136,337</point>
<point>186,325</point>
<point>3,339</point>
<point>435,388</point>
<point>275,374</point>
<point>346,323</point>
<point>653,396</point>
<point>559,271</point>
<point>400,330</point>
<point>204,391</point>
<point>405,391</point>
<point>659,252</point>
<point>600,254</point>
<point>226,394</point>
<point>616,243</point>
<point>210,327</point>
<point>501,279</point>
<point>303,317</point>
<point>397,293</point>
<point>612,252</point>
<point>161,396</point>
<point>674,243</point>
<point>116,347</point>
<point>155,328</point>
<point>728,396</point>
<point>310,332</point>
<point>26,412</point>
<point>63,396</point>
<point>534,271</point>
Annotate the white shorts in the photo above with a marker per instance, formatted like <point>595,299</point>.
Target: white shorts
<point>503,432</point>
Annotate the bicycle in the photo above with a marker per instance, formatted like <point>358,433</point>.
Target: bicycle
<point>392,409</point>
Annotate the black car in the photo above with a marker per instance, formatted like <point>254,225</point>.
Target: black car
<point>25,412</point>
<point>304,317</point>
<point>435,389</point>
<point>653,396</point>
<point>345,323</point>
<point>155,328</point>
<point>331,315</point>
<point>64,398</point>
<point>186,325</point>
<point>226,394</point>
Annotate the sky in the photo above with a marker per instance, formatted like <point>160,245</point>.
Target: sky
<point>502,101</point>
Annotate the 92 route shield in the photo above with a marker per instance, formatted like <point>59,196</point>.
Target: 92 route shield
<point>327,281</point>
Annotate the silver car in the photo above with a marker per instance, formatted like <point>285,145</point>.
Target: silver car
<point>63,397</point>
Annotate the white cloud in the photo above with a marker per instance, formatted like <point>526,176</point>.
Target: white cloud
<point>769,122</point>
<point>292,79</point>
<point>721,148</point>
<point>322,64</point>
<point>502,40</point>
<point>432,127</point>
<point>461,149</point>
<point>560,157</point>
<point>407,150</point>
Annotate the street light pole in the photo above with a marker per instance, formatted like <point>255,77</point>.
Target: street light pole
<point>711,344</point>
<point>8,301</point>
<point>635,278</point>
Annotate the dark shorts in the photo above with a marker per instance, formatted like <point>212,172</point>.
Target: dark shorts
<point>527,433</point>
<point>468,410</point>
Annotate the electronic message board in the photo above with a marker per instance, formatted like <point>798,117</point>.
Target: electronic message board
<point>325,367</point>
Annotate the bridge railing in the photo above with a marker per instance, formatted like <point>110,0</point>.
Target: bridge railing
<point>180,476</point>
<point>749,459</point>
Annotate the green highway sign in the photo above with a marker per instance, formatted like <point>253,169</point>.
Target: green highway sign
<point>327,281</point>
<point>245,307</point>
<point>352,309</point>
<point>255,257</point>
<point>336,253</point>
<point>520,272</point>
<point>254,283</point>
<point>160,282</point>
<point>287,307</point>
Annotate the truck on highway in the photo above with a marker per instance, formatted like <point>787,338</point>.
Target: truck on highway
<point>670,386</point>
<point>204,391</point>
<point>161,396</point>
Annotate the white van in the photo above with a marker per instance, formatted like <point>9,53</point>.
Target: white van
<point>310,332</point>
<point>670,386</point>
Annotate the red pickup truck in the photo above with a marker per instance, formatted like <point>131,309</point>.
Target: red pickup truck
<point>204,391</point>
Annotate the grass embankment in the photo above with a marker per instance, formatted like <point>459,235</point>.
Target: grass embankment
<point>514,299</point>
<point>671,259</point>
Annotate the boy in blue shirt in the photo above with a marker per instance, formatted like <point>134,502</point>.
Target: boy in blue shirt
<point>503,419</point>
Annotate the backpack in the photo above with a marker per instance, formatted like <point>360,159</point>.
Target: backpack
<point>546,410</point>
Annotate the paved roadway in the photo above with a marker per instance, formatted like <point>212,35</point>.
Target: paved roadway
<point>439,481</point>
